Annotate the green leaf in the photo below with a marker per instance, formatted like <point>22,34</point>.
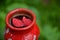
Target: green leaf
<point>2,24</point>
<point>51,33</point>
<point>16,5</point>
<point>37,14</point>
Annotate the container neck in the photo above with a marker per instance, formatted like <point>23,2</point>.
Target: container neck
<point>21,31</point>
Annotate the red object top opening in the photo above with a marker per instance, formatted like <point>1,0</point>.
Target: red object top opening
<point>18,23</point>
<point>24,22</point>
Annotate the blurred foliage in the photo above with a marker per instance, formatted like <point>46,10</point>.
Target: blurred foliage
<point>47,15</point>
<point>16,5</point>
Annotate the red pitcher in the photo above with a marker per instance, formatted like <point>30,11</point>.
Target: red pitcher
<point>21,25</point>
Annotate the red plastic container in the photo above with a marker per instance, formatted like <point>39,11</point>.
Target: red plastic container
<point>30,32</point>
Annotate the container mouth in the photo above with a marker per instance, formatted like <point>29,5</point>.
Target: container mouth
<point>19,13</point>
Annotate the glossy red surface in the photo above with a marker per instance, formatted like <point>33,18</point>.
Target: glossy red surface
<point>26,21</point>
<point>30,32</point>
<point>17,22</point>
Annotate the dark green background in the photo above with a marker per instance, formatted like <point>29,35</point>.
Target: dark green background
<point>47,15</point>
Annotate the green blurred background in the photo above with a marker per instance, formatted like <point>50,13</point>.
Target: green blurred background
<point>47,15</point>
